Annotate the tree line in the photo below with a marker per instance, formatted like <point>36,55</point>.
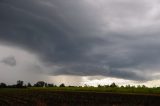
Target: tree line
<point>20,84</point>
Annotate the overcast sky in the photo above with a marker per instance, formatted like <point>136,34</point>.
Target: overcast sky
<point>71,40</point>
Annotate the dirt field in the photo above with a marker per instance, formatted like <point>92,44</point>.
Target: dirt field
<point>74,98</point>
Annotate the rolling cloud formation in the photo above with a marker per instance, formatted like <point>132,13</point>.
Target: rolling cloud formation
<point>86,37</point>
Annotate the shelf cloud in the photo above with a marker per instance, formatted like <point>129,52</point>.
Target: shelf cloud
<point>86,38</point>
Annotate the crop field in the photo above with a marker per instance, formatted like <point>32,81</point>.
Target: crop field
<point>77,97</point>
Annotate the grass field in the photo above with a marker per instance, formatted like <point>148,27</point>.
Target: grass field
<point>78,96</point>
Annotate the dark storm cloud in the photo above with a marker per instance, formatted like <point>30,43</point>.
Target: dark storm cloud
<point>11,61</point>
<point>94,70</point>
<point>48,34</point>
<point>84,37</point>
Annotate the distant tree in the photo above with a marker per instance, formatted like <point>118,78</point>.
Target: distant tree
<point>24,86</point>
<point>143,86</point>
<point>106,86</point>
<point>50,85</point>
<point>113,85</point>
<point>128,86</point>
<point>19,84</point>
<point>71,86</point>
<point>138,86</point>
<point>133,86</point>
<point>85,85</point>
<point>29,85</point>
<point>62,85</point>
<point>45,84</point>
<point>122,86</point>
<point>100,86</point>
<point>3,85</point>
<point>40,84</point>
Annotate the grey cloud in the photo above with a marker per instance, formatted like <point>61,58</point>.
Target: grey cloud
<point>82,38</point>
<point>100,70</point>
<point>11,61</point>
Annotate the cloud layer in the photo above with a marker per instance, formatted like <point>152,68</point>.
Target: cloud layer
<point>11,61</point>
<point>87,37</point>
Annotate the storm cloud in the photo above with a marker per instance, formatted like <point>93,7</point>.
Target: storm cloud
<point>86,37</point>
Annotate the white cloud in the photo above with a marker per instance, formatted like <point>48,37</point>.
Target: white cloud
<point>25,68</point>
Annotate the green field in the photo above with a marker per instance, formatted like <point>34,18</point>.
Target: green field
<point>79,96</point>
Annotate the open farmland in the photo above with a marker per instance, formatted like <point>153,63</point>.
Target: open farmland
<point>75,97</point>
